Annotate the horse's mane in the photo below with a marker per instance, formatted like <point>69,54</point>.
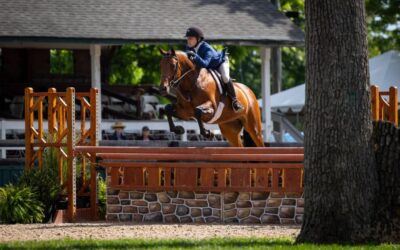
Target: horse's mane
<point>186,58</point>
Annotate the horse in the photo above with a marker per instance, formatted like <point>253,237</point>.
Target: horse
<point>198,97</point>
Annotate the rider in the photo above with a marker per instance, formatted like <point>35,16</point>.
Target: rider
<point>203,55</point>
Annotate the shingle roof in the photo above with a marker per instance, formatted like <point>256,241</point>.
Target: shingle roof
<point>121,21</point>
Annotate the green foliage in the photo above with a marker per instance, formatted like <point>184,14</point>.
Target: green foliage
<point>293,67</point>
<point>44,182</point>
<point>102,188</point>
<point>134,64</point>
<point>383,20</point>
<point>19,205</point>
<point>215,243</point>
<point>61,61</point>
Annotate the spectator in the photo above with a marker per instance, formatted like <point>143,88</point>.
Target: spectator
<point>118,131</point>
<point>145,135</point>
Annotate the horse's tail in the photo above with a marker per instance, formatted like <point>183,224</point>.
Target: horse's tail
<point>247,140</point>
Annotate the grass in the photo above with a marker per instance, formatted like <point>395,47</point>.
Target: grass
<point>217,243</point>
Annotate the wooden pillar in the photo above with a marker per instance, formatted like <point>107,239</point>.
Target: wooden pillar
<point>95,53</point>
<point>266,92</point>
<point>71,162</point>
<point>51,111</point>
<point>375,102</point>
<point>276,70</point>
<point>94,141</point>
<point>29,137</point>
<point>276,62</point>
<point>393,105</point>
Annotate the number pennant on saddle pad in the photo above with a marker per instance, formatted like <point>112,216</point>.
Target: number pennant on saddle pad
<point>217,78</point>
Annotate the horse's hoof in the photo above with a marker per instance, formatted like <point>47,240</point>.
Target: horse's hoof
<point>179,130</point>
<point>208,135</point>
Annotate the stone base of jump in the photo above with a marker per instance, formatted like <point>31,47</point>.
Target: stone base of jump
<point>205,207</point>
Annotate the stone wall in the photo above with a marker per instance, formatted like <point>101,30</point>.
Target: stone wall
<point>204,207</point>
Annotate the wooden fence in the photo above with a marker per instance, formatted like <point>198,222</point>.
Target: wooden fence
<point>62,136</point>
<point>385,109</point>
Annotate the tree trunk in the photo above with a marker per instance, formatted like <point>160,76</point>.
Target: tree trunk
<point>386,226</point>
<point>340,175</point>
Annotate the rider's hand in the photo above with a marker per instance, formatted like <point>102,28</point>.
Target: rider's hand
<point>192,55</point>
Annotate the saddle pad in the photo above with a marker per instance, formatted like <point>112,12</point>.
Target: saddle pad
<point>217,113</point>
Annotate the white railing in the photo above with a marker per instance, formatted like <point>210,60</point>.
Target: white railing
<point>18,126</point>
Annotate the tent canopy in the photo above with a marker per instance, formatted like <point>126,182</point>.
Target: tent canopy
<point>384,72</point>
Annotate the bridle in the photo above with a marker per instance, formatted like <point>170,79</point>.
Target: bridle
<point>174,83</point>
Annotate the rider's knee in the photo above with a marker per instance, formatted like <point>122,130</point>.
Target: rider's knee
<point>225,79</point>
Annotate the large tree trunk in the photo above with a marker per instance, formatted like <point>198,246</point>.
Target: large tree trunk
<point>386,225</point>
<point>340,175</point>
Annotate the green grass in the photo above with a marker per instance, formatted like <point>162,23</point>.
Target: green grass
<point>218,243</point>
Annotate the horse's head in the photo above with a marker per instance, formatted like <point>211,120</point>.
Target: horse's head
<point>169,69</point>
<point>174,67</point>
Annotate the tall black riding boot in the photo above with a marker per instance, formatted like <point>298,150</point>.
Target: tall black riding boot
<point>236,105</point>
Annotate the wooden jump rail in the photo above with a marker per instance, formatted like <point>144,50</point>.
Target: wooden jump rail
<point>202,169</point>
<point>383,109</point>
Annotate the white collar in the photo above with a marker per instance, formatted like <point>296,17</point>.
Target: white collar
<point>198,46</point>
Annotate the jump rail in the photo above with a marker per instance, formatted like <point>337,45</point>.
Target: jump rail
<point>202,169</point>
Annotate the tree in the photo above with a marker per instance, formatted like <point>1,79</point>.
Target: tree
<point>383,25</point>
<point>340,175</point>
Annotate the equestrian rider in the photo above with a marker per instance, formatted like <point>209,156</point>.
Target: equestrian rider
<point>205,56</point>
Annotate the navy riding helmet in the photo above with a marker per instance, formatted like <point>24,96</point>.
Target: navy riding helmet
<point>194,31</point>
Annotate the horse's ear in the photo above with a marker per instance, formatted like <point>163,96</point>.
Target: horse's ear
<point>173,52</point>
<point>163,52</point>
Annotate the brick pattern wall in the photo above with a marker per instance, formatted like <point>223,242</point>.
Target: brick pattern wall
<point>204,207</point>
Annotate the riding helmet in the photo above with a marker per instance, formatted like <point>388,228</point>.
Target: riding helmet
<point>194,31</point>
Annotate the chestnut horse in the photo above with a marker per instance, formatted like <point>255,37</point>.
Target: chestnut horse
<point>198,97</point>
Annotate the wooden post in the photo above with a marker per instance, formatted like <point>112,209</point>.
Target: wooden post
<point>51,111</point>
<point>40,131</point>
<point>70,154</point>
<point>94,140</point>
<point>29,138</point>
<point>393,106</point>
<point>95,54</point>
<point>375,102</point>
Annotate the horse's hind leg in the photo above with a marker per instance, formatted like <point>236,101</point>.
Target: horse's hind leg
<point>253,126</point>
<point>231,131</point>
<point>170,110</point>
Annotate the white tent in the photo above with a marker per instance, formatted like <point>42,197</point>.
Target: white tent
<point>384,72</point>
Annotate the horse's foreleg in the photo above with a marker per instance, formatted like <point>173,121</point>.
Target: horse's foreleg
<point>204,109</point>
<point>170,110</point>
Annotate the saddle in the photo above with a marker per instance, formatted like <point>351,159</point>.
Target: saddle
<point>222,91</point>
<point>218,80</point>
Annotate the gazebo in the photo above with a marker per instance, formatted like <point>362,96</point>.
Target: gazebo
<point>29,29</point>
